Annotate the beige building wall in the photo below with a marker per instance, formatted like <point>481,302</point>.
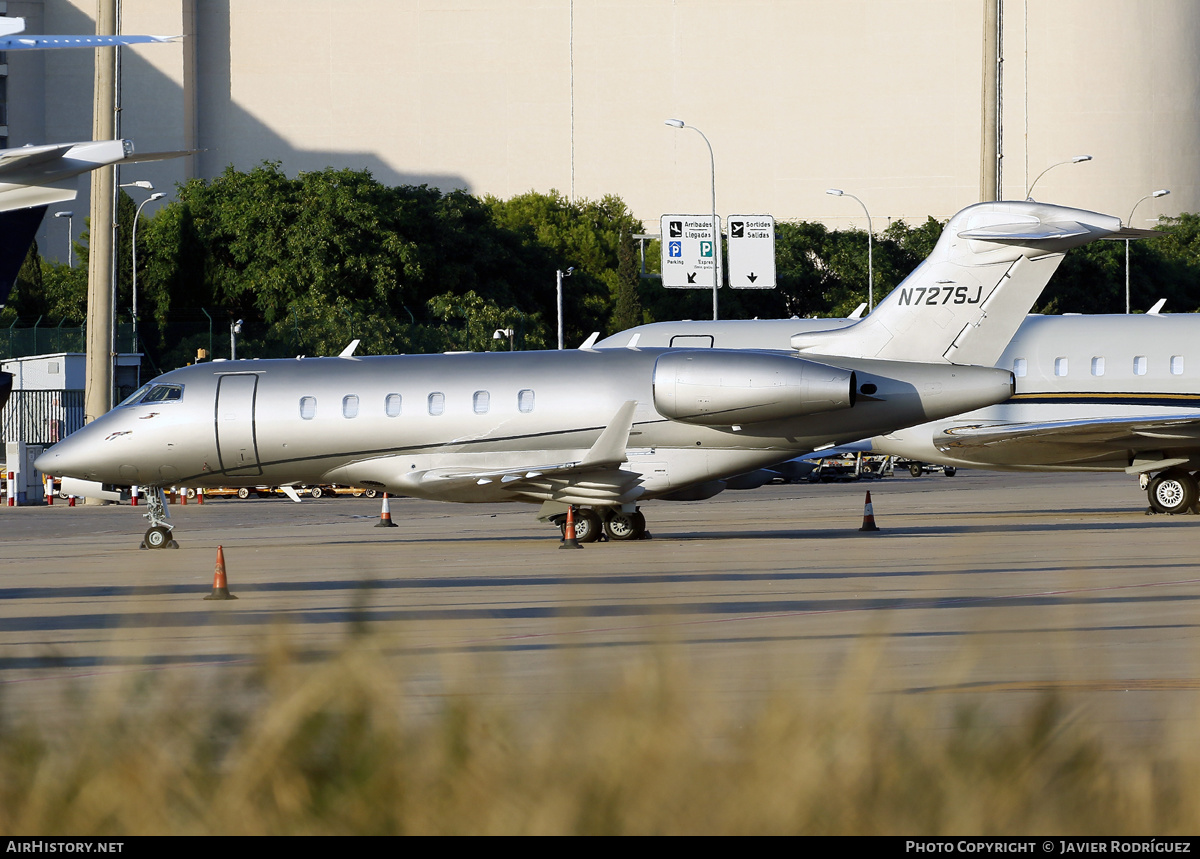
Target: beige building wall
<point>879,97</point>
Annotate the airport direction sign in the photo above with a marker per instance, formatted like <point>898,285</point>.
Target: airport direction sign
<point>751,251</point>
<point>691,254</point>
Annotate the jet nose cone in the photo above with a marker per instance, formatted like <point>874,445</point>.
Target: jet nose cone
<point>66,459</point>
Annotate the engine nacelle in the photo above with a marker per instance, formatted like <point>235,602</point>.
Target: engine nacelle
<point>723,387</point>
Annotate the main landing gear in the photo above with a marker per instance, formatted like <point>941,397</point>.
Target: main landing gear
<point>1173,491</point>
<point>614,523</point>
<point>158,536</point>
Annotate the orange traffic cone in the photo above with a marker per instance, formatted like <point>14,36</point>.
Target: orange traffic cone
<point>569,541</point>
<point>385,517</point>
<point>220,589</point>
<point>868,516</point>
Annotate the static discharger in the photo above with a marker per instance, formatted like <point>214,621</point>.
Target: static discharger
<point>220,589</point>
<point>868,516</point>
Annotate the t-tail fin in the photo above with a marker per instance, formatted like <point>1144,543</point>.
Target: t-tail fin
<point>17,229</point>
<point>964,303</point>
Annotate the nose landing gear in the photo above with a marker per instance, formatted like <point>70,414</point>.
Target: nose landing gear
<point>158,536</point>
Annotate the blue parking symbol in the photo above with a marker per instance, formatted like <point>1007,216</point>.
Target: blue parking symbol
<point>675,249</point>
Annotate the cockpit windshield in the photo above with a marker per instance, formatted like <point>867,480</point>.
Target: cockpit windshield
<point>152,393</point>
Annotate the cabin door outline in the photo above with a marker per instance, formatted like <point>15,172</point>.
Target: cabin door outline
<point>237,442</point>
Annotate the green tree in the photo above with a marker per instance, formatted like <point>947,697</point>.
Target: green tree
<point>470,322</point>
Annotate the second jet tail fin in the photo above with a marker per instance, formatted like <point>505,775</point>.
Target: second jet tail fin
<point>964,303</point>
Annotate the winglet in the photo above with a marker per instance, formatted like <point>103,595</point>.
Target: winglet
<point>590,342</point>
<point>609,449</point>
<point>1157,308</point>
<point>349,350</point>
<point>290,492</point>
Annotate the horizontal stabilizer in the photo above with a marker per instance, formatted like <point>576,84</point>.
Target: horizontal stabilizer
<point>1025,233</point>
<point>44,43</point>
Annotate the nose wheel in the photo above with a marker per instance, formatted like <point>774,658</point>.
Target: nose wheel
<point>158,536</point>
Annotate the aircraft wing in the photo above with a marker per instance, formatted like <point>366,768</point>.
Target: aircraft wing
<point>595,477</point>
<point>1076,441</point>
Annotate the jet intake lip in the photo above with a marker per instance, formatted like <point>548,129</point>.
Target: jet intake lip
<point>725,387</point>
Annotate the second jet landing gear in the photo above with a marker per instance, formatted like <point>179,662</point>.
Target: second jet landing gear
<point>1173,491</point>
<point>158,536</point>
<point>615,524</point>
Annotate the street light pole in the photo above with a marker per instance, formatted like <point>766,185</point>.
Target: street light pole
<point>712,163</point>
<point>561,274</point>
<point>1162,192</point>
<point>137,215</point>
<point>70,216</point>
<point>1078,159</point>
<point>837,192</point>
<point>235,328</point>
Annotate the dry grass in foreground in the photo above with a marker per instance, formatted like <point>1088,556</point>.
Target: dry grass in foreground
<point>322,749</point>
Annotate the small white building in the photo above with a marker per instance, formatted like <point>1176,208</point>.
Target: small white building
<point>46,404</point>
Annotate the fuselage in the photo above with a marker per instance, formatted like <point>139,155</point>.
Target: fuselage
<point>395,421</point>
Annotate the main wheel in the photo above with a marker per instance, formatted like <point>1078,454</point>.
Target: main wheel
<point>914,468</point>
<point>949,471</point>
<point>371,493</point>
<point>625,526</point>
<point>243,492</point>
<point>316,492</point>
<point>587,525</point>
<point>1172,492</point>
<point>157,537</point>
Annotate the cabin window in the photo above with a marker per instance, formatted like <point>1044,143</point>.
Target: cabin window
<point>1060,366</point>
<point>1176,365</point>
<point>437,403</point>
<point>525,400</point>
<point>1098,366</point>
<point>1139,365</point>
<point>481,402</point>
<point>391,405</point>
<point>350,406</point>
<point>1020,367</point>
<point>308,408</point>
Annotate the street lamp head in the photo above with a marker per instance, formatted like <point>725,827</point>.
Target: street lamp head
<point>64,214</point>
<point>157,196</point>
<point>570,269</point>
<point>674,123</point>
<point>237,327</point>
<point>1160,193</point>
<point>835,192</point>
<point>1079,158</point>
<point>141,183</point>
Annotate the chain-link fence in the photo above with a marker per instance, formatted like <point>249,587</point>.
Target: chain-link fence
<point>50,339</point>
